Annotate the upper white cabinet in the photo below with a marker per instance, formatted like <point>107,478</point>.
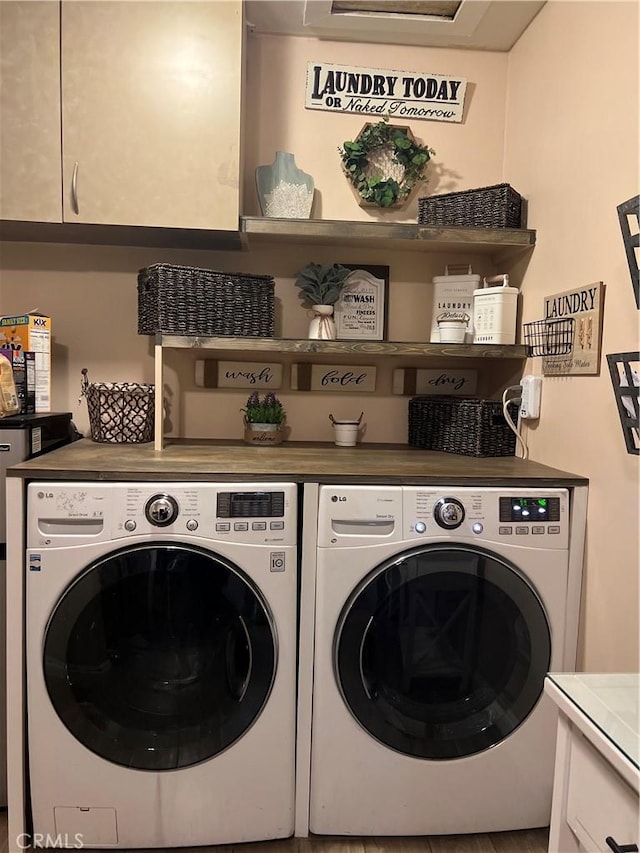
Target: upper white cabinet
<point>147,127</point>
<point>30,167</point>
<point>151,96</point>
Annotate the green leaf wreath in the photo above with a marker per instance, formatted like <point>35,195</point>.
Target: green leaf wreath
<point>376,189</point>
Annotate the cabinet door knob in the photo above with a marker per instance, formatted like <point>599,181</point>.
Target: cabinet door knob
<point>620,848</point>
<point>74,189</point>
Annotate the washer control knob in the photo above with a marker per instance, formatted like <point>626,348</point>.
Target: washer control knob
<point>420,527</point>
<point>192,524</point>
<point>130,525</point>
<point>477,527</point>
<point>448,513</point>
<point>161,510</point>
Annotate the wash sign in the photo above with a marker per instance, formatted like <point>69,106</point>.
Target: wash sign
<point>381,92</point>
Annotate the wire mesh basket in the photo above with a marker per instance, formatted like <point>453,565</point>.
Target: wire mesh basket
<point>549,337</point>
<point>119,412</point>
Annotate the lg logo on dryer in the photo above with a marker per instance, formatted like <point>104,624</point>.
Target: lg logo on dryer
<point>335,498</point>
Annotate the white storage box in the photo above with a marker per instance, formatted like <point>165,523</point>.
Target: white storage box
<point>494,312</point>
<point>453,299</point>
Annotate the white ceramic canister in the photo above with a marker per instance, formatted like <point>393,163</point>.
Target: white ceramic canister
<point>494,311</point>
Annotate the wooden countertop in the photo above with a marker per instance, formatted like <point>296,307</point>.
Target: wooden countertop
<point>297,461</point>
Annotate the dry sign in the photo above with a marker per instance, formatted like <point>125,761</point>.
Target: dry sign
<point>383,92</point>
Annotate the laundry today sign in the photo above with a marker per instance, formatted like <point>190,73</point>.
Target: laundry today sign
<point>381,92</point>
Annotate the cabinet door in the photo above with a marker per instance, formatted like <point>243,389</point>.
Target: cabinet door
<point>30,168</point>
<point>151,112</point>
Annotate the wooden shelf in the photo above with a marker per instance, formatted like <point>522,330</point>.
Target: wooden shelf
<point>370,348</point>
<point>497,242</point>
<point>258,231</point>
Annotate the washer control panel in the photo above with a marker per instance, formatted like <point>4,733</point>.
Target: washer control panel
<point>260,513</point>
<point>160,510</point>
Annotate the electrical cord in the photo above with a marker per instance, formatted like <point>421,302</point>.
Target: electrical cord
<point>517,390</point>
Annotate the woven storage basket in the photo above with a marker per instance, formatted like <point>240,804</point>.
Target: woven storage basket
<point>460,425</point>
<point>177,300</point>
<point>499,206</point>
<point>120,412</point>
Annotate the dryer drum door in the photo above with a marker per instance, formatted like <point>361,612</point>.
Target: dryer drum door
<point>159,657</point>
<point>441,652</point>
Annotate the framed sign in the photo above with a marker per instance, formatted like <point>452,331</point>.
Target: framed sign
<point>585,307</point>
<point>384,92</point>
<point>332,377</point>
<point>361,310</point>
<point>416,380</point>
<point>211,373</point>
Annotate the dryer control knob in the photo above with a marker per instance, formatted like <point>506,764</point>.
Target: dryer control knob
<point>161,510</point>
<point>448,513</point>
<point>130,525</point>
<point>420,527</point>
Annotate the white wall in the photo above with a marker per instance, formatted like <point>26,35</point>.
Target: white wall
<point>572,150</point>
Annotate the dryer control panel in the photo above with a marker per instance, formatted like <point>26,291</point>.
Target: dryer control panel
<point>533,518</point>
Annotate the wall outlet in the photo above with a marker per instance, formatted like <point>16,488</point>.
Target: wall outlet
<point>531,389</point>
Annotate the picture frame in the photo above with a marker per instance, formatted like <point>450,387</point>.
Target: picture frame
<point>361,310</point>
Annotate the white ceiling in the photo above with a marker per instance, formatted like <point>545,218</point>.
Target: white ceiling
<point>478,24</point>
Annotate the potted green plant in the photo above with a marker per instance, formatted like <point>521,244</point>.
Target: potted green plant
<point>264,419</point>
<point>320,286</point>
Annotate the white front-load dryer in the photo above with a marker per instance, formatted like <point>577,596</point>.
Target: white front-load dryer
<point>161,652</point>
<point>439,612</point>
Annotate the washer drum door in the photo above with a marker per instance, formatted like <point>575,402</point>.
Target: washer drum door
<point>159,657</point>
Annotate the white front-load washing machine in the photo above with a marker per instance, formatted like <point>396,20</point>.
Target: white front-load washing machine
<point>161,653</point>
<point>439,612</point>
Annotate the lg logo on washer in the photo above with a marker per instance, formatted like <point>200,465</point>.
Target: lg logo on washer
<point>335,498</point>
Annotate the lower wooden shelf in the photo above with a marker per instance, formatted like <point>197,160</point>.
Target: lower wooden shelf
<point>250,345</point>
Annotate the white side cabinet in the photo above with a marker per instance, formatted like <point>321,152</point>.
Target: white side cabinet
<point>595,798</point>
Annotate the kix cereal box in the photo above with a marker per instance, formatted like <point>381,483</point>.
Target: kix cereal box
<point>31,332</point>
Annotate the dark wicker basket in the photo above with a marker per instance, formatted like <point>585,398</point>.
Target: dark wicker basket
<point>177,300</point>
<point>499,206</point>
<point>120,412</point>
<point>460,425</point>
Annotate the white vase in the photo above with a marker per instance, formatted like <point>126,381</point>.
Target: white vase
<point>322,326</point>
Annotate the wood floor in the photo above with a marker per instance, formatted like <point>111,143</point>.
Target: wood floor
<point>526,841</point>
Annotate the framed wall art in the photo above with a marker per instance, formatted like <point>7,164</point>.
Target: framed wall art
<point>585,307</point>
<point>361,310</point>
